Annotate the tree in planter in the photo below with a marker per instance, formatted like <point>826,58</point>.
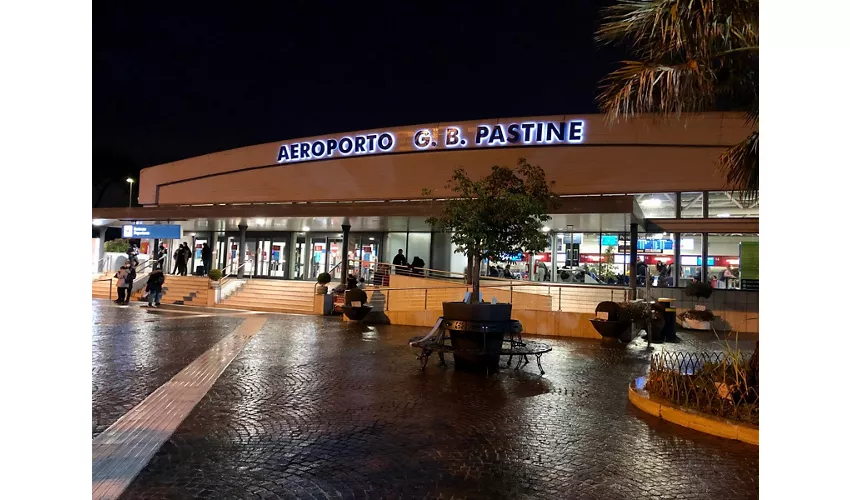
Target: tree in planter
<point>607,268</point>
<point>498,215</point>
<point>699,290</point>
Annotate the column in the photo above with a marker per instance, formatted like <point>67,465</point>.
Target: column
<point>704,266</point>
<point>100,244</point>
<point>633,237</point>
<point>346,229</point>
<point>214,248</point>
<point>242,230</point>
<point>553,244</point>
<point>677,257</point>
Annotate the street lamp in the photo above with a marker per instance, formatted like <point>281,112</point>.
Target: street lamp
<point>130,202</point>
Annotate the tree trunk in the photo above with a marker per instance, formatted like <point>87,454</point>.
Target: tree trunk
<point>476,279</point>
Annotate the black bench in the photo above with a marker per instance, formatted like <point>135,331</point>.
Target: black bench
<point>439,341</point>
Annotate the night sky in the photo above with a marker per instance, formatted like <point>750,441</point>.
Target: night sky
<point>183,80</point>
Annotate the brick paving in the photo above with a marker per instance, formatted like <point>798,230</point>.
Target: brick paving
<point>314,408</point>
<point>134,351</point>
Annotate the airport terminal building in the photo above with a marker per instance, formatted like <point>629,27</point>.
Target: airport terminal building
<point>647,187</point>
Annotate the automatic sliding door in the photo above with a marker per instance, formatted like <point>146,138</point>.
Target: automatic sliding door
<point>318,256</point>
<point>277,265</point>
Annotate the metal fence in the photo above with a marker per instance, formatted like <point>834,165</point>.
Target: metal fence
<point>720,384</point>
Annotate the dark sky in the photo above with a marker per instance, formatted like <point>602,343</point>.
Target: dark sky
<point>179,80</point>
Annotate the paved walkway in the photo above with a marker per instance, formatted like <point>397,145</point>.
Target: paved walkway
<point>314,408</point>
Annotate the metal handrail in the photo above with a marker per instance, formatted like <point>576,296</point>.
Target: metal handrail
<point>233,273</point>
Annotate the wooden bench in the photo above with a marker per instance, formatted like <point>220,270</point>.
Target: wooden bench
<point>439,341</point>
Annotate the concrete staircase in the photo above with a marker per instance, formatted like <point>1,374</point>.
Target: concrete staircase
<point>272,296</point>
<point>182,290</point>
<point>101,289</point>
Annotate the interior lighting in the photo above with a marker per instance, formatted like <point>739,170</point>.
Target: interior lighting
<point>305,228</point>
<point>651,203</point>
<point>724,215</point>
<point>546,229</point>
<point>130,180</point>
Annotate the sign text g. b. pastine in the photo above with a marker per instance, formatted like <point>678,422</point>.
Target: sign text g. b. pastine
<point>502,134</point>
<point>543,133</point>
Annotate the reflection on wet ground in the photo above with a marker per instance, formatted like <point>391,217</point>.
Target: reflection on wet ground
<point>316,408</point>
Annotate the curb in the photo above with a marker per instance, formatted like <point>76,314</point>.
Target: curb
<point>691,419</point>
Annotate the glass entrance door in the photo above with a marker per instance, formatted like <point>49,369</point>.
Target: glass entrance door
<point>300,246</point>
<point>277,259</point>
<point>335,257</point>
<point>318,256</point>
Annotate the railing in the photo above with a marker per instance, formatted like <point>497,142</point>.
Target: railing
<point>233,272</point>
<point>110,285</point>
<point>525,296</point>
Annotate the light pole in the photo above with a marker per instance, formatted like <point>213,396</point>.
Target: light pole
<point>130,202</point>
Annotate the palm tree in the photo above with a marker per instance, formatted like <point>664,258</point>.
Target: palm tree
<point>692,56</point>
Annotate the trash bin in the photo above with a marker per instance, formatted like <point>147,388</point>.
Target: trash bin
<point>669,319</point>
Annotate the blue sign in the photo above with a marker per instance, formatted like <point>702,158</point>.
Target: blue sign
<point>656,245</point>
<point>158,231</point>
<point>710,261</point>
<point>609,240</point>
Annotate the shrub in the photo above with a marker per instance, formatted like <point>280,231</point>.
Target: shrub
<point>355,295</point>
<point>636,312</point>
<point>215,274</point>
<point>323,279</point>
<point>119,246</point>
<point>699,290</point>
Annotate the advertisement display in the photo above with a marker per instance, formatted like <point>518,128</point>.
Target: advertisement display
<point>748,253</point>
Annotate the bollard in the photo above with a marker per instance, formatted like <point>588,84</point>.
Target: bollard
<point>669,330</point>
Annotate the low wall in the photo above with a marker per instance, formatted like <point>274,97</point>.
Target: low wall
<point>734,310</point>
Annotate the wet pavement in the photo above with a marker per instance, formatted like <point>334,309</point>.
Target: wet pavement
<point>316,408</point>
<point>134,351</point>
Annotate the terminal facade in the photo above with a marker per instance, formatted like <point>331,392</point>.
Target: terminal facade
<point>647,189</point>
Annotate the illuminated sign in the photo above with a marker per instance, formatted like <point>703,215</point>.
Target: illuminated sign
<point>545,133</point>
<point>158,231</point>
<point>345,146</point>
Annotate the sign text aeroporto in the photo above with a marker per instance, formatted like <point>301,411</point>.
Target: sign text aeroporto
<point>545,133</point>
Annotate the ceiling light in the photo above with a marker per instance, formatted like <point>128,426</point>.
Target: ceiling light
<point>546,229</point>
<point>651,203</point>
<point>371,239</point>
<point>305,228</point>
<point>724,215</point>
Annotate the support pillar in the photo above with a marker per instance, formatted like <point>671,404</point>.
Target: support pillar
<point>633,237</point>
<point>704,265</point>
<point>553,244</point>
<point>242,230</point>
<point>346,229</point>
<point>677,258</point>
<point>100,245</point>
<point>214,248</point>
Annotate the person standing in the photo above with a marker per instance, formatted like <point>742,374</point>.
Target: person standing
<point>154,287</point>
<point>182,257</point>
<point>177,259</point>
<point>131,275</point>
<point>399,262</point>
<point>121,276</point>
<point>206,256</point>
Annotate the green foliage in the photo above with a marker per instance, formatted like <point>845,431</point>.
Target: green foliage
<point>690,57</point>
<point>119,245</point>
<point>323,279</point>
<point>636,312</point>
<point>498,215</point>
<point>215,274</point>
<point>607,268</point>
<point>698,289</point>
<point>355,295</point>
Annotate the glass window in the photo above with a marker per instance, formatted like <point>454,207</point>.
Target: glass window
<point>394,243</point>
<point>657,205</point>
<point>725,262</point>
<point>728,204</point>
<point>419,245</point>
<point>690,257</point>
<point>692,205</point>
<point>656,252</point>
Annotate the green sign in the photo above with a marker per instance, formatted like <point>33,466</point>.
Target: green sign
<point>749,255</point>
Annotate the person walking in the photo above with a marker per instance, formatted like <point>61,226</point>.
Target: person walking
<point>161,254</point>
<point>206,256</point>
<point>121,276</point>
<point>154,287</point>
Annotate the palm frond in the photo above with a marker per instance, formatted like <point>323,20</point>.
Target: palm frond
<point>693,29</point>
<point>640,87</point>
<point>740,166</point>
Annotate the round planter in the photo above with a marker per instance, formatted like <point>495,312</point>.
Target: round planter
<point>696,325</point>
<point>356,313</point>
<point>490,342</point>
<point>611,329</point>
